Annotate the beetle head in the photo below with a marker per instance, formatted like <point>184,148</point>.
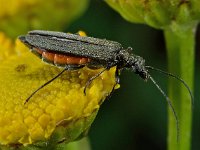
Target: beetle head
<point>134,62</point>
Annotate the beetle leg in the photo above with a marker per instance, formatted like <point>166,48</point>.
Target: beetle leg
<point>94,77</point>
<point>44,85</point>
<point>65,69</point>
<point>117,80</point>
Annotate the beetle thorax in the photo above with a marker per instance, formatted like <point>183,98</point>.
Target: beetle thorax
<point>134,62</point>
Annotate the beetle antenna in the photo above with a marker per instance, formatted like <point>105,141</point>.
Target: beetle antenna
<point>44,85</point>
<point>170,104</point>
<point>176,77</point>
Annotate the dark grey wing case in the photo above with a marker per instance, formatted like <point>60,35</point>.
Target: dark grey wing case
<point>72,44</point>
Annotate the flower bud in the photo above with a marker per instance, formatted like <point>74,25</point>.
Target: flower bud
<point>159,14</point>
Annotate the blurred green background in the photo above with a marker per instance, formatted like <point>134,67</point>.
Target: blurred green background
<point>135,117</point>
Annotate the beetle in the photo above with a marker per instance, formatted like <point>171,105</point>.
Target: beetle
<point>72,51</point>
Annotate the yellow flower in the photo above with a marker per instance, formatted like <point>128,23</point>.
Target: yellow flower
<point>59,111</point>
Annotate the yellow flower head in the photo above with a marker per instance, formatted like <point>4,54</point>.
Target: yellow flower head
<point>59,111</point>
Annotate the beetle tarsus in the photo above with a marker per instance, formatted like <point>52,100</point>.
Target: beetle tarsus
<point>92,78</point>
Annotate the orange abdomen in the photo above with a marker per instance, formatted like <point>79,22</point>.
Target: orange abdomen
<point>62,59</point>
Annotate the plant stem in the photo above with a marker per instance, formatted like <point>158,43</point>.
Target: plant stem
<point>180,49</point>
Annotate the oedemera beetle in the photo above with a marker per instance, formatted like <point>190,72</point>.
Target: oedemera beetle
<point>72,51</point>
